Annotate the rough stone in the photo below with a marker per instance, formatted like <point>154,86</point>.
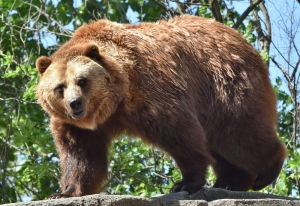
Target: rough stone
<point>204,197</point>
<point>210,194</point>
<point>254,202</point>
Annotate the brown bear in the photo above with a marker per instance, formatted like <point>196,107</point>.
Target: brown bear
<point>190,86</point>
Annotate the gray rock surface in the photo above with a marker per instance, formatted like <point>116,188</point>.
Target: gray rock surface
<point>204,197</point>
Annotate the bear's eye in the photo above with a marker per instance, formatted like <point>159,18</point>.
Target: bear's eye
<point>60,88</point>
<point>82,83</point>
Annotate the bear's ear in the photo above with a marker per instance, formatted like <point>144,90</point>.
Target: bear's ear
<point>92,51</point>
<point>42,64</point>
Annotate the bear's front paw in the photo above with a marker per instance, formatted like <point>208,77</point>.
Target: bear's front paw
<point>189,186</point>
<point>58,196</point>
<point>69,192</point>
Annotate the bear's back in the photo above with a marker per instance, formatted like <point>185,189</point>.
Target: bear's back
<point>187,57</point>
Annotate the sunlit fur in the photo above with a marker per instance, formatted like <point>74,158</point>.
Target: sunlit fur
<point>190,86</point>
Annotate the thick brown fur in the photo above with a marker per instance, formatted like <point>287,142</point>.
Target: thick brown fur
<point>190,86</point>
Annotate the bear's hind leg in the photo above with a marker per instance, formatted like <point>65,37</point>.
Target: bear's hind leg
<point>268,176</point>
<point>254,148</point>
<point>231,177</point>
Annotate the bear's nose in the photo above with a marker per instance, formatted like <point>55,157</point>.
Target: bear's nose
<point>75,103</point>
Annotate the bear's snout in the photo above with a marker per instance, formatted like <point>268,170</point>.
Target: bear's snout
<point>76,105</point>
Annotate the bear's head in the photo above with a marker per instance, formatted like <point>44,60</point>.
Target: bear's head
<point>80,86</point>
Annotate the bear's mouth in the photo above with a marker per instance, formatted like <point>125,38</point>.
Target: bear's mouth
<point>78,115</point>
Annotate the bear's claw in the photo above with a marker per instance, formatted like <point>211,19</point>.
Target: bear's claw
<point>59,196</point>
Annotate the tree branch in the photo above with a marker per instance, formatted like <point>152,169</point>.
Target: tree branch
<point>295,70</point>
<point>245,14</point>
<point>167,9</point>
<point>285,73</point>
<point>267,19</point>
<point>280,53</point>
<point>50,18</point>
<point>215,9</point>
<point>264,38</point>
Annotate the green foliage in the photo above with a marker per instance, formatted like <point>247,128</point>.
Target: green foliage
<point>287,182</point>
<point>265,56</point>
<point>29,152</point>
<point>248,33</point>
<point>204,11</point>
<point>136,169</point>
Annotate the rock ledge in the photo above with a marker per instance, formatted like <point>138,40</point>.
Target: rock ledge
<point>204,197</point>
